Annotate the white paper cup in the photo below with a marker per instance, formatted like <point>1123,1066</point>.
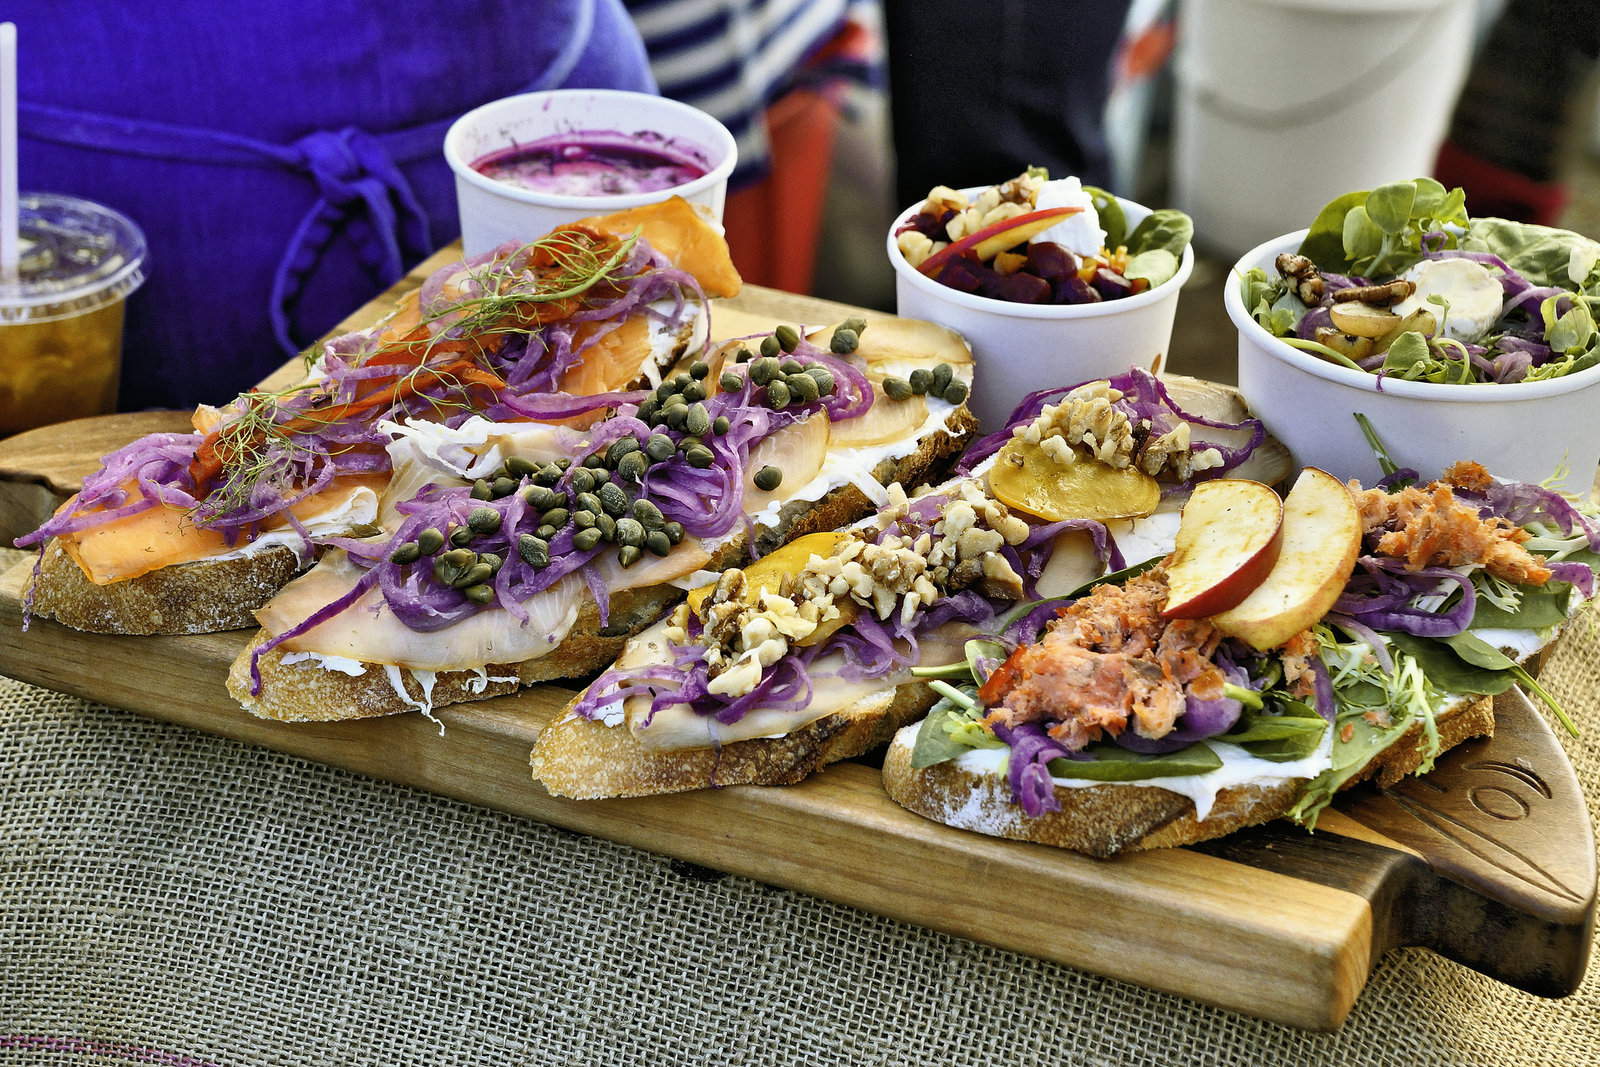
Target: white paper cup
<point>493,212</point>
<point>1018,349</point>
<point>1524,432</point>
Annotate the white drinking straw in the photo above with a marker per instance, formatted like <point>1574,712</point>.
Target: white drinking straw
<point>8,148</point>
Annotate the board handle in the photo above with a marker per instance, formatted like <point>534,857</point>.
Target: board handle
<point>1488,860</point>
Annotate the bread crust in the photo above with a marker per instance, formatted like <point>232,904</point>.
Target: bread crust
<point>1111,819</point>
<point>585,759</point>
<point>588,647</point>
<point>188,598</point>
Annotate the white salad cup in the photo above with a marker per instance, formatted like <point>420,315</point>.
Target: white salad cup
<point>1543,431</point>
<point>493,212</point>
<point>1018,349</point>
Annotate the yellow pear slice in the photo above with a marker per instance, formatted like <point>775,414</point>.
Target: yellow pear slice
<point>887,420</point>
<point>768,571</point>
<point>798,450</point>
<point>897,340</point>
<point>1024,477</point>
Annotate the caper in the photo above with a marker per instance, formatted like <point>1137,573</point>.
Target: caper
<point>606,525</point>
<point>791,366</point>
<point>619,448</point>
<point>613,498</point>
<point>689,441</point>
<point>406,554</point>
<point>856,324</point>
<point>583,519</point>
<point>476,574</point>
<point>676,400</point>
<point>720,425</point>
<point>788,337</point>
<point>648,410</point>
<point>588,502</point>
<point>731,382</point>
<point>660,447</point>
<point>503,487</point>
<point>429,541</point>
<point>897,388</point>
<point>482,490</point>
<point>699,369</point>
<point>657,542</point>
<point>674,531</point>
<point>483,520</point>
<point>763,370</point>
<point>744,355</point>
<point>548,475</point>
<point>556,517</point>
<point>461,535</point>
<point>823,377</point>
<point>681,380</point>
<point>844,341</point>
<point>584,540</point>
<point>676,417</point>
<point>520,466</point>
<point>460,558</point>
<point>700,458</point>
<point>628,555</point>
<point>768,478</point>
<point>595,461</point>
<point>955,392</point>
<point>665,389</point>
<point>542,499</point>
<point>770,346</point>
<point>630,532</point>
<point>493,559</point>
<point>534,551</point>
<point>583,480</point>
<point>694,392</point>
<point>480,593</point>
<point>545,531</point>
<point>633,466</point>
<point>698,421</point>
<point>648,515</point>
<point>778,394</point>
<point>942,373</point>
<point>921,379</point>
<point>803,387</point>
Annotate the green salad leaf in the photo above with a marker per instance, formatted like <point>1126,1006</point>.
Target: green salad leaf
<point>1378,232</point>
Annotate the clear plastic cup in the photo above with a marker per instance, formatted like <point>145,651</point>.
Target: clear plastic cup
<point>61,312</point>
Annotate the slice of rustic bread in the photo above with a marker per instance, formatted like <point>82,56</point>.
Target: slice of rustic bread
<point>587,760</point>
<point>190,598</point>
<point>1107,820</point>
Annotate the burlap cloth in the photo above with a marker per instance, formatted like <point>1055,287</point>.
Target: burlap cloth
<point>170,897</point>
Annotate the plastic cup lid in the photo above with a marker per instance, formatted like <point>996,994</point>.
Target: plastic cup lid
<point>76,256</point>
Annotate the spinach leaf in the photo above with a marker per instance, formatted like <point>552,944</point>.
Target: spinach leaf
<point>936,743</point>
<point>1113,219</point>
<point>1541,254</point>
<point>1112,763</point>
<point>1539,607</point>
<point>1448,672</point>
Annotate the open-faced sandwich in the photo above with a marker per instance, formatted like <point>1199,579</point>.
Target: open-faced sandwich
<point>1272,658</point>
<point>516,553</point>
<point>806,657</point>
<point>190,533</point>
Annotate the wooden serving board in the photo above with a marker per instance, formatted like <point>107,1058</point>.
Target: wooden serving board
<point>1489,860</point>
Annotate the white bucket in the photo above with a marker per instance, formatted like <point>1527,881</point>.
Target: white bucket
<point>1282,105</point>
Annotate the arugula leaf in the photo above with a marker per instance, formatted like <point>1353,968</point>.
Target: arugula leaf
<point>946,732</point>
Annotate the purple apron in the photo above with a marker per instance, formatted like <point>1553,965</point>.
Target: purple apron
<point>283,158</point>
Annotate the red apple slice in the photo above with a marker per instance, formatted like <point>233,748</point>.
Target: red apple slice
<point>991,240</point>
<point>1321,539</point>
<point>1228,541</point>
